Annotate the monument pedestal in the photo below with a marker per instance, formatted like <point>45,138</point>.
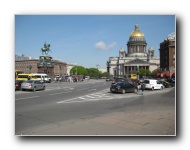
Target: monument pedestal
<point>45,65</point>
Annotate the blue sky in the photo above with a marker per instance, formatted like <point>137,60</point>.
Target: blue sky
<point>87,40</point>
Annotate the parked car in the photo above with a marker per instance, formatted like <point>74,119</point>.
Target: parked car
<point>171,81</point>
<point>123,87</point>
<point>32,85</point>
<point>18,84</point>
<point>110,79</point>
<point>153,84</point>
<point>166,84</point>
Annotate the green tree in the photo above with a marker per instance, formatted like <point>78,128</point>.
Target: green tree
<point>93,72</point>
<point>144,72</point>
<point>78,70</point>
<point>105,74</point>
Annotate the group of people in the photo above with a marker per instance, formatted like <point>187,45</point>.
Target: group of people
<point>68,79</point>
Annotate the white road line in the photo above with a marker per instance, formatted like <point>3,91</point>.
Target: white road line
<point>82,89</point>
<point>82,98</point>
<point>92,90</point>
<point>67,100</point>
<point>88,96</point>
<point>60,93</point>
<point>27,97</point>
<point>87,100</point>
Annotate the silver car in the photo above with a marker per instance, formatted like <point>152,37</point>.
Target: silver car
<point>32,85</point>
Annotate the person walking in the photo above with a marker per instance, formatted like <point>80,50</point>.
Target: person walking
<point>142,88</point>
<point>137,84</point>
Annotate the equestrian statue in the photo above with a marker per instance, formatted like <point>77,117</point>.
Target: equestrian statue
<point>45,49</point>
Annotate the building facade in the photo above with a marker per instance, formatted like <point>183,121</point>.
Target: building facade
<point>31,66</point>
<point>136,57</point>
<point>167,54</point>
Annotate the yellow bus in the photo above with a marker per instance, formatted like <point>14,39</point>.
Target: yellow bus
<point>18,72</point>
<point>133,76</point>
<point>25,77</point>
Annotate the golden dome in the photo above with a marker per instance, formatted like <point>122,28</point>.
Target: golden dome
<point>136,32</point>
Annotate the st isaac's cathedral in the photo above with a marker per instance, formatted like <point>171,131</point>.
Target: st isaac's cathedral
<point>135,58</point>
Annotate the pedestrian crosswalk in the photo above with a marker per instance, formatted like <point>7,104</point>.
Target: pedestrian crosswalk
<point>107,95</point>
<point>98,96</point>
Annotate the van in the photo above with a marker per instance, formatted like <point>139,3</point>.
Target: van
<point>40,77</point>
<point>25,77</point>
<point>43,77</point>
<point>153,84</point>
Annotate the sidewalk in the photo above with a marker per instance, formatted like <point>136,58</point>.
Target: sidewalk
<point>157,122</point>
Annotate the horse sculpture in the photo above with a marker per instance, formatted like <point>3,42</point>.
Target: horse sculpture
<point>45,49</point>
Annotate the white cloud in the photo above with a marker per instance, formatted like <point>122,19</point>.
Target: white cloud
<point>101,45</point>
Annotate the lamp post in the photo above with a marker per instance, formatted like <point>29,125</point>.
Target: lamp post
<point>98,70</point>
<point>76,71</point>
<point>30,67</point>
<point>138,72</point>
<point>118,67</point>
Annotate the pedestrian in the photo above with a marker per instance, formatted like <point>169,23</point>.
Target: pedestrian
<point>142,87</point>
<point>28,77</point>
<point>137,86</point>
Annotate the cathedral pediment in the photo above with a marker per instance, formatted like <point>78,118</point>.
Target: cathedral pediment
<point>137,61</point>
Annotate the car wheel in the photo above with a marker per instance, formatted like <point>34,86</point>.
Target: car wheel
<point>123,91</point>
<point>34,89</point>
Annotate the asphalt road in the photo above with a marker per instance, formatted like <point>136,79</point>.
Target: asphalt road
<point>66,104</point>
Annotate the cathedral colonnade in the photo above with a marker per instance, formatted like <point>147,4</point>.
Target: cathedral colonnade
<point>131,68</point>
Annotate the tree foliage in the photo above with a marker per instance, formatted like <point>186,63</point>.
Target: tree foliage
<point>78,70</point>
<point>93,72</point>
<point>144,72</point>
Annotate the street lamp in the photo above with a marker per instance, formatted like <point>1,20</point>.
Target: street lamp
<point>76,70</point>
<point>138,71</point>
<point>30,67</point>
<point>98,70</point>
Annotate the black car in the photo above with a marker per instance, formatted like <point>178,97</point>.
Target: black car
<point>110,79</point>
<point>168,84</point>
<point>123,87</point>
<point>115,80</point>
<point>18,84</point>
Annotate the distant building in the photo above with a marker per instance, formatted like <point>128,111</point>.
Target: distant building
<point>30,66</point>
<point>102,70</point>
<point>167,54</point>
<point>135,58</point>
<point>22,57</point>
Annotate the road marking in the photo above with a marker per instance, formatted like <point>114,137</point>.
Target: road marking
<point>60,93</point>
<point>89,96</point>
<point>92,90</point>
<point>67,100</point>
<point>27,97</point>
<point>82,89</point>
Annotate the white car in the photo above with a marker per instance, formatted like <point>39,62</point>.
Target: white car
<point>153,84</point>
